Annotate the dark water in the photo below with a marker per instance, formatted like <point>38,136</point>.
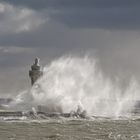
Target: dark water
<point>71,129</point>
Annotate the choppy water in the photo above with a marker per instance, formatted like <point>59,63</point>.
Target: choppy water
<point>71,129</point>
<point>67,84</point>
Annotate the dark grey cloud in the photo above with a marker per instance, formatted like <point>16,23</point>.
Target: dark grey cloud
<point>74,3</point>
<point>108,14</point>
<point>52,28</point>
<point>105,18</point>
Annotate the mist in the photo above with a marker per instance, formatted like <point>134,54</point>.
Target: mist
<point>70,81</point>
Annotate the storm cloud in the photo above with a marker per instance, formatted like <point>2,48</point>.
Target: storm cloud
<point>49,29</point>
<point>113,14</point>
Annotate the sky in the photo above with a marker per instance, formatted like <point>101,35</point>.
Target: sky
<point>49,29</point>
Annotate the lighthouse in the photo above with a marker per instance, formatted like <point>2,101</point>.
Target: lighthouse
<point>35,73</point>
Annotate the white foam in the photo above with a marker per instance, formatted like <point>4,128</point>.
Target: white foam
<point>72,81</point>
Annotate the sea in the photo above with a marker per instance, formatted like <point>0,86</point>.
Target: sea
<point>67,83</point>
<point>95,128</point>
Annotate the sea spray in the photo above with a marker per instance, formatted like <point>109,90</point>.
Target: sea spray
<point>69,82</point>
